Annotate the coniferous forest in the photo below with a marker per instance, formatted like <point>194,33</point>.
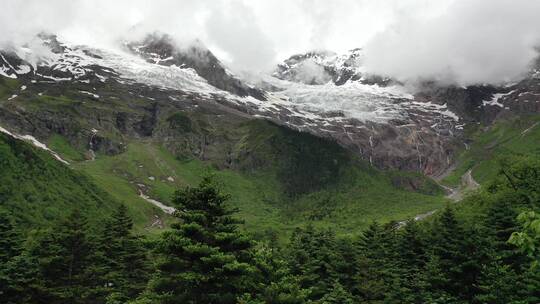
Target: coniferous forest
<point>481,250</point>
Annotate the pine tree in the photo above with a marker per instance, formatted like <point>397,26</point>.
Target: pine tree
<point>123,263</point>
<point>64,257</point>
<point>447,242</point>
<point>347,264</point>
<point>436,278</point>
<point>503,262</point>
<point>531,278</point>
<point>411,260</point>
<point>372,279</point>
<point>315,259</point>
<point>500,223</point>
<point>203,258</point>
<point>276,283</point>
<point>499,285</point>
<point>459,256</point>
<point>20,283</point>
<point>338,295</point>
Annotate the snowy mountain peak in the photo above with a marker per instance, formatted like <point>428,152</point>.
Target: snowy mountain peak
<point>321,67</point>
<point>162,50</point>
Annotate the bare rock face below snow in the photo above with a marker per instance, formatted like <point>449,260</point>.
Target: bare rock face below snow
<point>188,101</point>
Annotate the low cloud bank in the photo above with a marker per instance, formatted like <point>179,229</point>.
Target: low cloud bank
<point>472,42</point>
<point>453,41</point>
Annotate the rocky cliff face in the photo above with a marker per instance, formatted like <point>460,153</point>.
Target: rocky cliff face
<point>186,99</point>
<point>422,131</point>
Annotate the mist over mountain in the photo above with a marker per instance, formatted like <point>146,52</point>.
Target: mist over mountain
<point>472,42</point>
<point>448,41</point>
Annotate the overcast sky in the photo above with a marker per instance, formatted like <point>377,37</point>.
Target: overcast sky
<point>461,41</point>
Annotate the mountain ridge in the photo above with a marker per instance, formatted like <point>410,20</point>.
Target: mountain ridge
<point>378,120</point>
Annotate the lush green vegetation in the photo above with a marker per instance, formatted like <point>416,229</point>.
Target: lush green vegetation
<point>303,163</point>
<point>355,196</point>
<point>363,194</point>
<point>60,145</point>
<point>459,257</point>
<point>7,86</point>
<point>515,136</point>
<point>36,188</point>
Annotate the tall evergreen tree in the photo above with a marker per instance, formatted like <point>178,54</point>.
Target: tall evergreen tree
<point>436,278</point>
<point>499,284</point>
<point>337,295</point>
<point>320,259</point>
<point>347,263</point>
<point>123,261</point>
<point>64,257</point>
<point>411,259</point>
<point>500,223</point>
<point>447,242</point>
<point>203,258</point>
<point>277,285</point>
<point>459,256</point>
<point>527,239</point>
<point>372,280</point>
<point>315,258</point>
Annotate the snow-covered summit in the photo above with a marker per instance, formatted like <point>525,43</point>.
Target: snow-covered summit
<point>321,67</point>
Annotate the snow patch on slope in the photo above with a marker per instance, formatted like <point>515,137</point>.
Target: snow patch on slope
<point>31,139</point>
<point>160,205</point>
<point>353,99</point>
<point>494,101</point>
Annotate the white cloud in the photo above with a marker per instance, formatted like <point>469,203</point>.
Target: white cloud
<point>471,42</point>
<point>466,41</point>
<point>234,29</point>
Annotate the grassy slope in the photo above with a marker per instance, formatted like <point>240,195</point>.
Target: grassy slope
<point>38,189</point>
<point>265,210</point>
<point>7,87</point>
<point>505,138</point>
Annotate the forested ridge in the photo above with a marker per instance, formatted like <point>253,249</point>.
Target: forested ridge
<point>461,255</point>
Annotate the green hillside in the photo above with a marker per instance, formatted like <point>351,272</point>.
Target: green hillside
<point>331,188</point>
<point>491,145</point>
<point>36,188</point>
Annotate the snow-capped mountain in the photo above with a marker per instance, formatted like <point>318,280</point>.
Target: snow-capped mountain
<point>320,67</point>
<point>161,50</point>
<point>323,93</point>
